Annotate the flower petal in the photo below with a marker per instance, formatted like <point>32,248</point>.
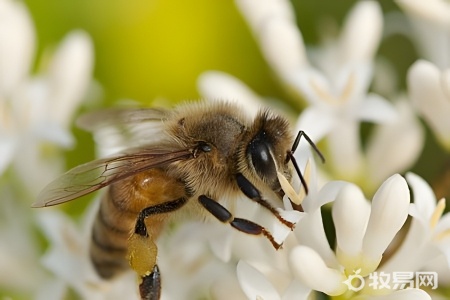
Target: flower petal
<point>376,109</point>
<point>390,206</point>
<point>16,45</point>
<point>309,268</point>
<point>361,33</point>
<point>257,12</point>
<point>315,123</point>
<point>296,291</point>
<point>310,232</point>
<point>345,153</point>
<point>424,198</point>
<point>254,284</point>
<point>70,75</point>
<point>429,90</point>
<point>407,294</point>
<point>431,23</point>
<point>215,85</point>
<point>283,47</point>
<point>350,214</point>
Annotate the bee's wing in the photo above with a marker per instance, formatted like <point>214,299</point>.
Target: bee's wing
<point>116,129</point>
<point>94,175</point>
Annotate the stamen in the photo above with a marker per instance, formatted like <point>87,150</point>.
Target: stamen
<point>288,189</point>
<point>296,198</point>
<point>438,211</point>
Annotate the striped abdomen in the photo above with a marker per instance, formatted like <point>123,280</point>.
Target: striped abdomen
<point>117,215</point>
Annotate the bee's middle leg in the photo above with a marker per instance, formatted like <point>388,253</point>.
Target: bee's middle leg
<point>244,225</point>
<point>142,250</point>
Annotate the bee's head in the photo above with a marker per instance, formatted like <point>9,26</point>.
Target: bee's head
<point>267,144</point>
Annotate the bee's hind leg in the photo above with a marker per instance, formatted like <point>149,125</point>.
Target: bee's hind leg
<point>142,250</point>
<point>150,286</point>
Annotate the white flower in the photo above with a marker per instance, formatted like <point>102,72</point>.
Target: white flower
<point>429,90</point>
<point>363,233</point>
<point>19,249</point>
<point>37,109</point>
<point>267,273</point>
<point>431,22</point>
<point>336,112</point>
<point>428,237</point>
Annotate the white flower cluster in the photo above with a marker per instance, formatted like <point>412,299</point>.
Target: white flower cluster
<point>339,235</point>
<point>35,116</point>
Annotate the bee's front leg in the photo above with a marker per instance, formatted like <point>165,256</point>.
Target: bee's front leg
<point>142,250</point>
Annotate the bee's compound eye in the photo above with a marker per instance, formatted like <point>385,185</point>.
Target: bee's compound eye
<point>261,157</point>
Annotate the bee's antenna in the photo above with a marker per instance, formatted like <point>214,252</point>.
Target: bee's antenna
<point>308,139</point>
<point>290,156</point>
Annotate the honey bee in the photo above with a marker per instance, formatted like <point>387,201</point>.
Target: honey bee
<point>190,156</point>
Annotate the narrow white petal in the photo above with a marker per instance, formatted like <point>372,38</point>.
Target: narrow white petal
<point>310,232</point>
<point>16,44</point>
<point>377,109</point>
<point>309,268</point>
<point>345,153</point>
<point>362,32</point>
<point>215,85</point>
<point>408,294</point>
<point>415,252</point>
<point>53,133</point>
<point>351,84</point>
<point>254,284</point>
<point>327,194</point>
<point>315,122</point>
<point>429,91</point>
<point>313,86</point>
<point>280,231</point>
<point>70,75</point>
<point>256,12</point>
<point>444,224</point>
<point>417,249</point>
<point>394,147</point>
<point>438,11</point>
<point>283,47</point>
<point>389,212</point>
<point>296,291</point>
<point>424,198</point>
<point>431,23</point>
<point>350,213</point>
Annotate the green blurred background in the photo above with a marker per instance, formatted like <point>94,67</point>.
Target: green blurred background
<point>146,49</point>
